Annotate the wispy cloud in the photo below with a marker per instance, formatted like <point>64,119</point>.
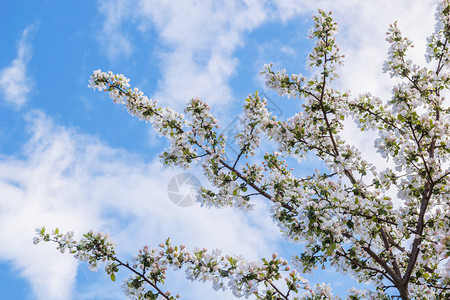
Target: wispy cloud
<point>113,40</point>
<point>199,38</point>
<point>72,181</point>
<point>15,85</point>
<point>202,37</point>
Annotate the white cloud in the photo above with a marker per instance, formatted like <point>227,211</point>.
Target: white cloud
<point>72,181</point>
<point>112,39</point>
<point>14,83</point>
<point>200,38</point>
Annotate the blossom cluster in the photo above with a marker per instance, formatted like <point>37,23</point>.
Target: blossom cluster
<point>262,279</point>
<point>93,248</point>
<point>325,54</point>
<point>437,48</point>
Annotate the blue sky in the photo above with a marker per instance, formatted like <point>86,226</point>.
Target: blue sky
<point>70,158</point>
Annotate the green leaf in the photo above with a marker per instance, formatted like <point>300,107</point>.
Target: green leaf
<point>113,277</point>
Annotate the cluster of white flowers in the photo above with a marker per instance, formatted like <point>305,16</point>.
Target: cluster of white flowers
<point>437,48</point>
<point>343,216</point>
<point>325,54</point>
<point>281,82</point>
<point>396,64</point>
<point>150,265</point>
<point>93,248</point>
<point>249,138</point>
